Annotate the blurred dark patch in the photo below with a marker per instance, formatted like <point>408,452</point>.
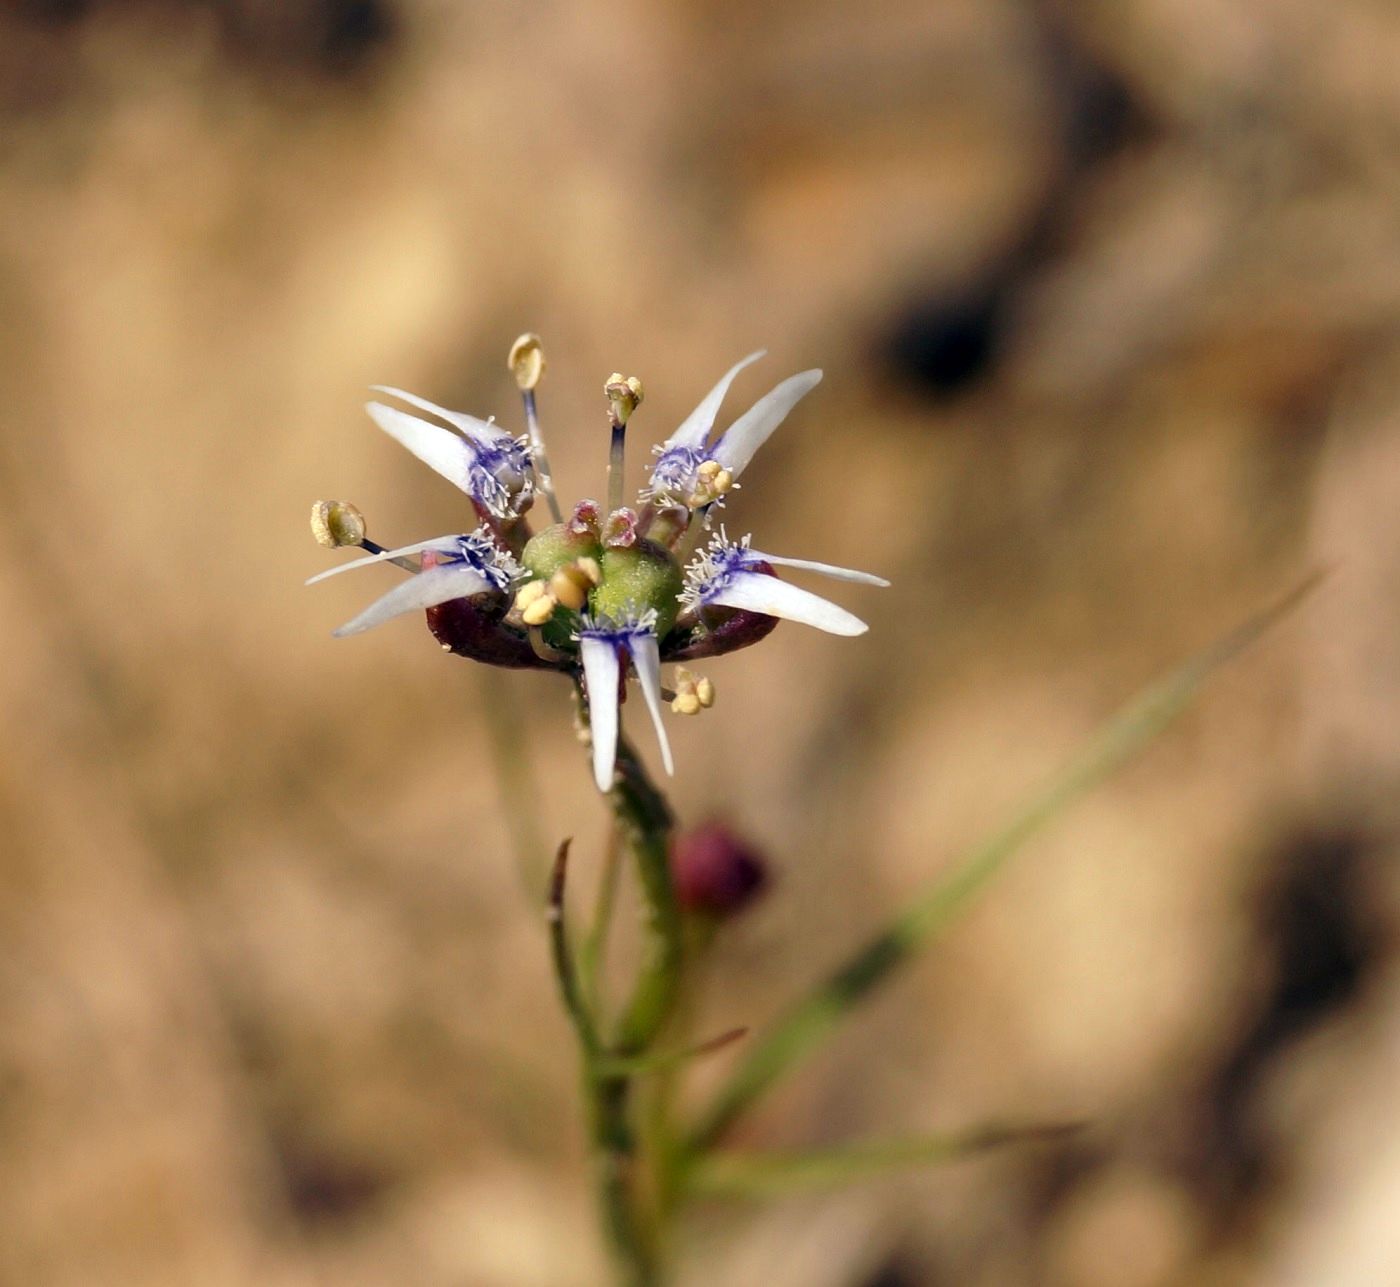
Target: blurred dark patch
<point>947,342</point>
<point>50,12</point>
<point>317,1183</point>
<point>1317,945</point>
<point>320,1187</point>
<point>331,37</point>
<point>322,38</point>
<point>896,1273</point>
<point>1054,1172</point>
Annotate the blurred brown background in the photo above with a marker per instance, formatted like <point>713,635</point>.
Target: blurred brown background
<point>1107,296</point>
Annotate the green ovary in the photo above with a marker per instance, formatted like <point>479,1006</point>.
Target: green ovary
<point>638,579</point>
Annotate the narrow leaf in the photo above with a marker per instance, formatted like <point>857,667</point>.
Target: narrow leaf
<point>813,1019</point>
<point>564,972</point>
<point>627,1065</point>
<point>764,1175</point>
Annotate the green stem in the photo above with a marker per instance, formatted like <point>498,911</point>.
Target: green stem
<point>606,1093</point>
<point>645,820</point>
<point>593,955</point>
<point>626,1190</point>
<point>631,1234</point>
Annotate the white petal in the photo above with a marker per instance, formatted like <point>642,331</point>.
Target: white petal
<point>826,569</point>
<point>425,590</point>
<point>472,426</point>
<point>751,430</point>
<point>646,657</point>
<point>600,672</point>
<point>436,447</point>
<point>757,592</point>
<point>695,428</point>
<point>443,543</point>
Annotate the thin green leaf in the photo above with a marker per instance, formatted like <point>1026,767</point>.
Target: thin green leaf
<point>628,1065</point>
<point>564,972</point>
<point>765,1175</point>
<point>809,1022</point>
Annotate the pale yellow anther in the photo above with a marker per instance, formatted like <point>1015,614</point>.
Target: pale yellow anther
<point>624,395</point>
<point>529,593</point>
<point>337,523</point>
<point>567,593</point>
<point>540,611</point>
<point>570,588</point>
<point>722,482</point>
<point>708,469</point>
<point>571,583</point>
<point>526,361</point>
<point>694,693</point>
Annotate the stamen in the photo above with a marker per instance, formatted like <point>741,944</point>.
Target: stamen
<point>712,481</point>
<point>526,363</point>
<point>624,395</point>
<point>690,540</point>
<point>543,650</point>
<point>571,583</point>
<point>534,603</point>
<point>693,694</point>
<point>540,611</point>
<point>336,524</point>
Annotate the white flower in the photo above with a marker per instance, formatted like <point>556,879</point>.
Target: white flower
<point>602,596</point>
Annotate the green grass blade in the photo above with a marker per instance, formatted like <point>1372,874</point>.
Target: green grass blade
<point>1126,733</point>
<point>659,1061</point>
<point>767,1175</point>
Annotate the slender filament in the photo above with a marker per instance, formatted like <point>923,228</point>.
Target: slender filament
<point>543,475</point>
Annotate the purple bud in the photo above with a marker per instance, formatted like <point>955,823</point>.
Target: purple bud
<point>716,874</point>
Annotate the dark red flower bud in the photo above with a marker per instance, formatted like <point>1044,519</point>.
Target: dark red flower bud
<point>715,872</point>
<point>727,630</point>
<point>474,628</point>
